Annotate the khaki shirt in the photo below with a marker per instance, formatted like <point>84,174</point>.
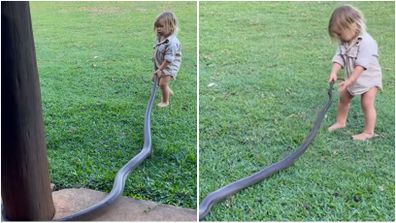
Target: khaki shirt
<point>170,50</point>
<point>363,51</point>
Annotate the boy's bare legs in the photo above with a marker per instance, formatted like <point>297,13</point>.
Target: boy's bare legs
<point>367,103</point>
<point>170,91</point>
<point>163,84</point>
<point>342,112</point>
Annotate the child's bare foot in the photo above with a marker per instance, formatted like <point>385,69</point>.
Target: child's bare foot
<point>162,104</point>
<point>335,126</point>
<point>363,136</point>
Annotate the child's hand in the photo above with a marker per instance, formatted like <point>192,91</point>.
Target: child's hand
<point>333,77</point>
<point>153,77</point>
<point>158,73</point>
<point>343,86</point>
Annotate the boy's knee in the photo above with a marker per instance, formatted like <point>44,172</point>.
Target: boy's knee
<point>367,101</point>
<point>344,100</point>
<point>367,105</point>
<point>162,84</point>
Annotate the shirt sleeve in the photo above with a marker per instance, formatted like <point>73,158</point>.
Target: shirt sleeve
<point>338,58</point>
<point>368,51</point>
<point>170,52</point>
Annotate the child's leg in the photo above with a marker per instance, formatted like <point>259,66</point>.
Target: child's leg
<point>370,115</point>
<point>342,112</point>
<point>163,84</point>
<point>170,91</point>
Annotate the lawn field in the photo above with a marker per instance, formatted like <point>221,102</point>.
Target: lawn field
<point>263,77</point>
<point>94,61</point>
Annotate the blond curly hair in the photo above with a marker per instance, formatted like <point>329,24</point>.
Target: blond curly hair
<point>346,19</point>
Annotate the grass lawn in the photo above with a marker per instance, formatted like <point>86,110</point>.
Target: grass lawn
<point>94,61</point>
<point>263,76</point>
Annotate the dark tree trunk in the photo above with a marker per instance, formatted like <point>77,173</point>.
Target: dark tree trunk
<point>25,184</point>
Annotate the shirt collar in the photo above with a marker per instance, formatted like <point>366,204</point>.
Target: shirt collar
<point>165,40</point>
<point>354,42</point>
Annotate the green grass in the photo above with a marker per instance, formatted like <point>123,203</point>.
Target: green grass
<point>270,62</point>
<point>94,61</point>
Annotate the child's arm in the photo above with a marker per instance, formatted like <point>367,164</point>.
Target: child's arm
<point>334,70</point>
<point>338,64</point>
<point>354,76</point>
<point>368,52</point>
<point>158,72</point>
<point>164,64</point>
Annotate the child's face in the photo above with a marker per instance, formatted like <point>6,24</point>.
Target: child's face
<point>160,29</point>
<point>347,35</point>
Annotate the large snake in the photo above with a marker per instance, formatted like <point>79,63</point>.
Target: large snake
<point>122,174</point>
<point>238,185</point>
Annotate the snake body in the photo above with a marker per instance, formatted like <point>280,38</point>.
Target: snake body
<point>232,188</point>
<point>122,174</point>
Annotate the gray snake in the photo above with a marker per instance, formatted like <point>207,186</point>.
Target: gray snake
<point>232,188</point>
<point>122,174</point>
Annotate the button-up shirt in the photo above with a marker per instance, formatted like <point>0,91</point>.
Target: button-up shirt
<point>170,50</point>
<point>363,51</point>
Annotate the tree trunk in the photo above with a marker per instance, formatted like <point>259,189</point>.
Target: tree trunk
<point>25,184</point>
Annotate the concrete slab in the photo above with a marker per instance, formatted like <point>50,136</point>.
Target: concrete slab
<point>68,201</point>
